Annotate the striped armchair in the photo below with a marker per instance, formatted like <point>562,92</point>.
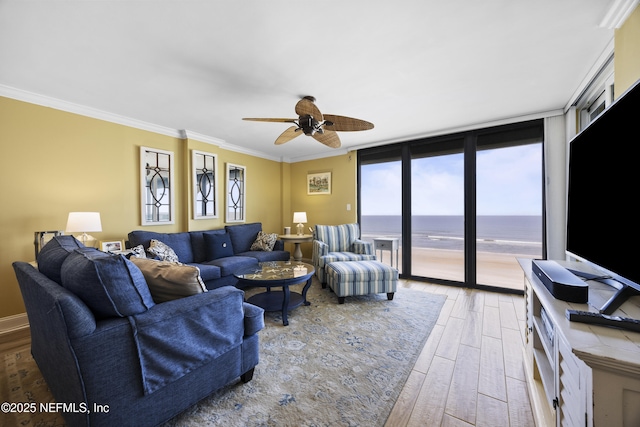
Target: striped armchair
<point>338,243</point>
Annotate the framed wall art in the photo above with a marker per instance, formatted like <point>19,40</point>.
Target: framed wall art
<point>319,183</point>
<point>236,198</point>
<point>205,184</point>
<point>156,186</point>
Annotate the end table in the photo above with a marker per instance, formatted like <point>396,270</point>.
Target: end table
<point>296,239</point>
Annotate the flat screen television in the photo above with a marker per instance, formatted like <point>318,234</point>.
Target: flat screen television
<point>603,218</point>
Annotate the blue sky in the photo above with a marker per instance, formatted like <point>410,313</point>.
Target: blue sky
<point>508,183</point>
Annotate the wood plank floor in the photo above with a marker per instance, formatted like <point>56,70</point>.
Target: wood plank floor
<point>470,370</point>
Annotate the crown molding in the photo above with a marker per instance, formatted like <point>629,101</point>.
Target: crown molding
<point>187,134</point>
<point>83,110</point>
<point>618,13</point>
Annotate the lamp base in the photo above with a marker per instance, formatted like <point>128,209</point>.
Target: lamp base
<point>300,228</point>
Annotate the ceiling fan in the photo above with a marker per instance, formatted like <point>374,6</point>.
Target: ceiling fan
<point>313,123</point>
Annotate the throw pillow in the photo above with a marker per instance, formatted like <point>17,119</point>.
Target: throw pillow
<point>162,251</point>
<point>110,285</point>
<point>218,245</point>
<point>264,242</point>
<point>168,281</point>
<point>138,252</point>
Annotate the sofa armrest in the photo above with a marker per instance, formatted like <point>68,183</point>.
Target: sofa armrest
<point>362,247</point>
<point>176,337</point>
<point>253,319</point>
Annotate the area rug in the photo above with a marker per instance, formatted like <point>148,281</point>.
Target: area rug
<point>333,365</point>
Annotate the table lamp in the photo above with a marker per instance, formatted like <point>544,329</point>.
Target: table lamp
<point>301,219</point>
<point>84,222</point>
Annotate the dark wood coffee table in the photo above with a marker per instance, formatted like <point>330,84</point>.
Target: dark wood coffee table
<point>275,274</point>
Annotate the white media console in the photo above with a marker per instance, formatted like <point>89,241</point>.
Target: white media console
<point>579,374</point>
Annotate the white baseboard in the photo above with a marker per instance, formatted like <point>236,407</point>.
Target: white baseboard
<point>13,323</point>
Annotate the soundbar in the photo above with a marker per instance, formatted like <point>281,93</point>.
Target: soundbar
<point>560,282</point>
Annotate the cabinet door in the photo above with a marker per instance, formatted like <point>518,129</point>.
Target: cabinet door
<point>572,383</point>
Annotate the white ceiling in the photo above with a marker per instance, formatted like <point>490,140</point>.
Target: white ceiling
<point>411,67</point>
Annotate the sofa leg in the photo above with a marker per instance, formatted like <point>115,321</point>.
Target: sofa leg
<point>247,376</point>
<point>389,296</point>
<point>340,300</point>
<point>324,286</point>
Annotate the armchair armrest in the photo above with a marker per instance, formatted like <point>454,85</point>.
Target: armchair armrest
<point>362,247</point>
<point>320,248</point>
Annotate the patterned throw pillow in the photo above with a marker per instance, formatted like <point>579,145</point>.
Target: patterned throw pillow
<point>264,242</point>
<point>162,251</point>
<point>138,252</point>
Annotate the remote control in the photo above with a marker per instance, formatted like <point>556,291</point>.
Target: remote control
<point>603,319</point>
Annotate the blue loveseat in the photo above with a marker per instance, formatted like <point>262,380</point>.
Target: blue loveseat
<point>99,338</point>
<point>217,253</point>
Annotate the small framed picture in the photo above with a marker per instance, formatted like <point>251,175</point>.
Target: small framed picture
<point>112,246</point>
<point>319,183</point>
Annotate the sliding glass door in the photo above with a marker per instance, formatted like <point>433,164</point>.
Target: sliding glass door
<point>463,206</point>
<point>437,210</point>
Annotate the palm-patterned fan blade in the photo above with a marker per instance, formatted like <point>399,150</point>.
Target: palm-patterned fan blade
<point>270,120</point>
<point>288,135</point>
<point>306,107</point>
<point>328,138</point>
<point>346,124</point>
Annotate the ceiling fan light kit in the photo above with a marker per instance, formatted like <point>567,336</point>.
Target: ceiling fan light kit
<point>313,123</point>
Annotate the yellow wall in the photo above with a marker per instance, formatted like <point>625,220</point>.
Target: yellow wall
<point>54,162</point>
<point>329,208</point>
<point>627,53</point>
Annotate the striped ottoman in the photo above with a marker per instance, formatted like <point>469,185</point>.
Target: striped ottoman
<point>347,278</point>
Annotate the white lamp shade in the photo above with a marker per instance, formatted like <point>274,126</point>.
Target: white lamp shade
<point>83,222</point>
<point>300,217</point>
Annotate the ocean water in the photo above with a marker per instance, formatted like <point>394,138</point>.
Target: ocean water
<point>513,234</point>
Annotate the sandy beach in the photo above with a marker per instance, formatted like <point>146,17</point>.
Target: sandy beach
<point>494,269</point>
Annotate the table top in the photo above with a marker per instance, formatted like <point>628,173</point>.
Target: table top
<point>276,271</point>
<point>294,237</point>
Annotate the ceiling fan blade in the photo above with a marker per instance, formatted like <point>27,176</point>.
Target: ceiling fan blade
<point>306,107</point>
<point>328,138</point>
<point>270,120</point>
<point>346,124</point>
<point>288,135</point>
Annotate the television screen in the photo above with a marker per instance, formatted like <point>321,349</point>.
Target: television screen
<point>603,221</point>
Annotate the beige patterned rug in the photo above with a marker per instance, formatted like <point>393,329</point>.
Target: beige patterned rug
<point>334,365</point>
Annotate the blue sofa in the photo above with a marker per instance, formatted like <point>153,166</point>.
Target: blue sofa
<point>216,266</point>
<point>99,338</point>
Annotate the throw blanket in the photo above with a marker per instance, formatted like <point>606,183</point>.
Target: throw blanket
<point>177,339</point>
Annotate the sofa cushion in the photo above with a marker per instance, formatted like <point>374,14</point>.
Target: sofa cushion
<point>110,285</point>
<point>208,272</point>
<point>243,235</point>
<point>199,246</point>
<point>179,242</point>
<point>163,251</point>
<point>168,281</point>
<point>233,264</point>
<point>53,254</point>
<point>264,241</point>
<point>218,246</point>
<point>265,256</point>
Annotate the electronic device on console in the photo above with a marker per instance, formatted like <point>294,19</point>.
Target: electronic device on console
<point>603,225</point>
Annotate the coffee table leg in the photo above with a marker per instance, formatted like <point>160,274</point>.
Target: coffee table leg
<point>285,305</point>
<point>304,291</point>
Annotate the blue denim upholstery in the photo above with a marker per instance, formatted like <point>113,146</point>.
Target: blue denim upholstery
<point>148,367</point>
<point>338,243</point>
<point>109,284</point>
<point>192,248</point>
